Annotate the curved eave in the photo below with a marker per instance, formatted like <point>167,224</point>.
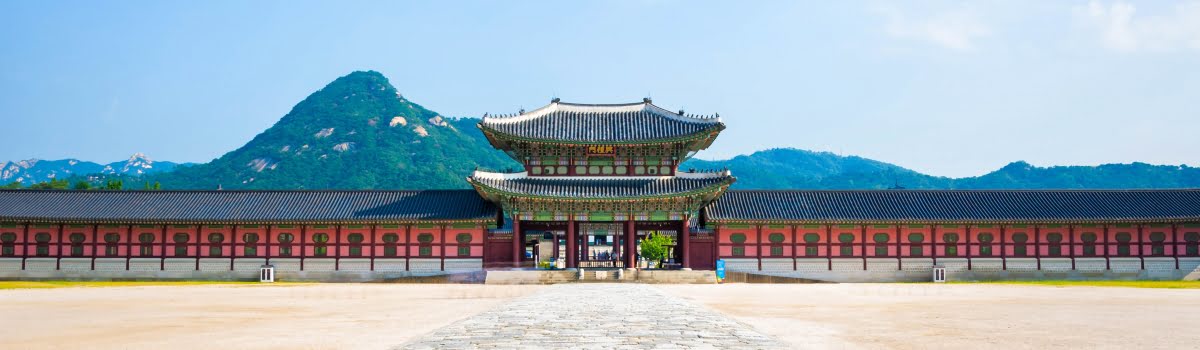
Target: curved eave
<point>501,140</point>
<point>486,191</point>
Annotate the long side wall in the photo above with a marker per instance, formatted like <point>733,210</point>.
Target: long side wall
<point>908,252</point>
<point>298,252</point>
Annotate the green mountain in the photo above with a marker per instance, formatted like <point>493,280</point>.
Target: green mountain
<point>358,132</point>
<point>794,168</point>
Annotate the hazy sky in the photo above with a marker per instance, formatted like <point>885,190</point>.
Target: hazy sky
<point>946,88</point>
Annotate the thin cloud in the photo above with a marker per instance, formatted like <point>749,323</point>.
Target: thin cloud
<point>957,29</point>
<point>1120,28</point>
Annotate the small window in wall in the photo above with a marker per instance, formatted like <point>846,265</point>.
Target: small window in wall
<point>111,241</point>
<point>43,244</point>
<point>951,240</point>
<point>739,244</point>
<point>464,244</point>
<point>881,248</point>
<point>214,243</point>
<point>251,247</point>
<point>181,240</point>
<point>1192,246</point>
<point>776,240</point>
<point>320,244</point>
<point>426,244</point>
<point>811,246</point>
<point>985,244</point>
<point>146,244</point>
<point>1020,248</point>
<point>1089,243</point>
<point>355,240</point>
<point>1158,244</point>
<point>389,244</point>
<point>915,240</point>
<point>8,244</point>
<point>77,243</point>
<point>846,244</point>
<point>1055,247</point>
<point>1123,239</point>
<point>285,243</point>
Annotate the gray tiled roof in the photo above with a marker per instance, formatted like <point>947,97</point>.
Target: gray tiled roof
<point>572,122</point>
<point>959,206</point>
<point>600,188</point>
<point>242,206</point>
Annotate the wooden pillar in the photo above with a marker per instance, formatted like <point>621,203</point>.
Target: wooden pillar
<point>585,252</point>
<point>630,244</point>
<point>517,248</point>
<point>1003,248</point>
<point>1107,262</point>
<point>233,237</point>
<point>337,247</point>
<point>572,240</point>
<point>967,243</point>
<point>1071,244</point>
<point>758,245</point>
<point>373,242</point>
<point>685,240</point>
<point>554,247</point>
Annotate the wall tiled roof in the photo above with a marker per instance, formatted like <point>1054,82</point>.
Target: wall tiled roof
<point>570,122</point>
<point>958,206</point>
<point>243,206</point>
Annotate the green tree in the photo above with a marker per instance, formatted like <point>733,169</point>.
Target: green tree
<point>114,185</point>
<point>82,185</point>
<point>655,246</point>
<point>15,185</point>
<point>53,184</point>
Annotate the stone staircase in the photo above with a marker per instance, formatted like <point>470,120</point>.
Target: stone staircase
<point>600,275</point>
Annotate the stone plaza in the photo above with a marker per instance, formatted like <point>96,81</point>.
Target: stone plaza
<point>599,316</point>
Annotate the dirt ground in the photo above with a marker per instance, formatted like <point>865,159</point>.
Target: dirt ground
<point>316,316</point>
<point>958,316</point>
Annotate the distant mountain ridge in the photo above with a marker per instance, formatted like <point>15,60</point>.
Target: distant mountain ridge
<point>800,169</point>
<point>36,170</point>
<point>358,132</point>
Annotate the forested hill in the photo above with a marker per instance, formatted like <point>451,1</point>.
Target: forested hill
<point>800,169</point>
<point>358,132</point>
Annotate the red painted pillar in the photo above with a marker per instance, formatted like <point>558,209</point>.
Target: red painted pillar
<point>684,243</point>
<point>572,249</point>
<point>585,252</point>
<point>517,248</point>
<point>630,245</point>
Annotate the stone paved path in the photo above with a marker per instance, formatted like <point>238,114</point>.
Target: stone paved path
<point>596,316</point>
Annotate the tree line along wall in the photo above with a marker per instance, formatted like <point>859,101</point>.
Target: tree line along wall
<point>917,247</point>
<point>362,247</point>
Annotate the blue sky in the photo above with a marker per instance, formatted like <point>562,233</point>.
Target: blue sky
<point>946,88</point>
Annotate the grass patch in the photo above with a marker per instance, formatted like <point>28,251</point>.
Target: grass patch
<point>94,284</point>
<point>1128,284</point>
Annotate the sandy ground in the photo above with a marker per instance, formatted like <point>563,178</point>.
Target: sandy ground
<point>317,316</point>
<point>956,316</point>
